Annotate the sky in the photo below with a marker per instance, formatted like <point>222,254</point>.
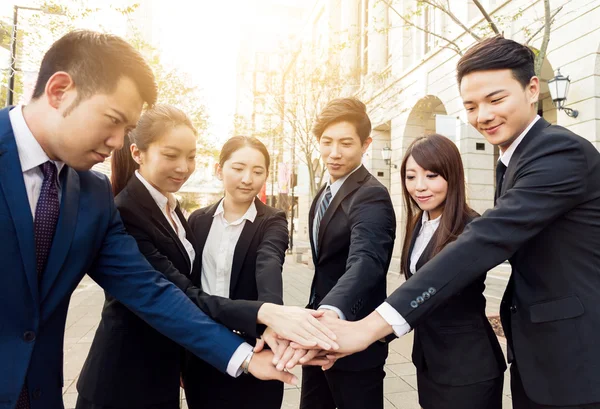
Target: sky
<point>200,38</point>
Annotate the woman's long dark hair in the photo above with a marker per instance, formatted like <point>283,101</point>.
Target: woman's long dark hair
<point>440,155</point>
<point>152,125</point>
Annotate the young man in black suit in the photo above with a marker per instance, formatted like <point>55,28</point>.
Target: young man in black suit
<point>546,222</point>
<point>352,226</point>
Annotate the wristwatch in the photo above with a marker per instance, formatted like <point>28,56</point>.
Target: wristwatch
<point>246,363</point>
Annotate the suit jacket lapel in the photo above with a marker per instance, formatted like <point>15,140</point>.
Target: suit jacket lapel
<point>65,228</point>
<point>514,160</point>
<point>413,239</point>
<point>426,255</point>
<point>350,185</point>
<point>243,244</point>
<point>204,224</point>
<point>15,194</point>
<point>141,194</point>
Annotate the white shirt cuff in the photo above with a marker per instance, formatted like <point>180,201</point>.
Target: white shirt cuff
<point>393,317</point>
<point>334,309</point>
<point>234,367</point>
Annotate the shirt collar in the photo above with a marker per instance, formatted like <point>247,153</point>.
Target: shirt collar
<point>335,186</point>
<point>507,154</point>
<point>160,199</point>
<point>31,154</point>
<point>250,214</point>
<point>425,220</point>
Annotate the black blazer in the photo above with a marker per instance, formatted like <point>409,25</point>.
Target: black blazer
<point>356,239</point>
<point>456,345</point>
<point>258,257</point>
<point>128,358</point>
<point>547,223</point>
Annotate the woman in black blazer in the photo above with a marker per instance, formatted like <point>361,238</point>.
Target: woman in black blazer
<point>131,365</point>
<point>242,244</point>
<point>457,355</point>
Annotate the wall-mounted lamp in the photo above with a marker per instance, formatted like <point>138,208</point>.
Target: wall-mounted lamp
<point>559,89</point>
<point>386,154</point>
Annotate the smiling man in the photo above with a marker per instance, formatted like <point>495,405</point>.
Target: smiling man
<point>352,227</point>
<point>546,222</point>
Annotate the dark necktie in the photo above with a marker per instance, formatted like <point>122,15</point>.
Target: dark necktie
<point>500,171</point>
<point>322,209</point>
<point>46,216</point>
<point>44,226</point>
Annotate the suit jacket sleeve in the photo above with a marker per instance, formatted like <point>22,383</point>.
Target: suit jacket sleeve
<point>270,257</point>
<point>238,315</point>
<point>373,230</point>
<point>126,275</point>
<point>548,183</point>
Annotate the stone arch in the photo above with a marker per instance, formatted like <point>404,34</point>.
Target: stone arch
<point>546,108</point>
<point>422,119</point>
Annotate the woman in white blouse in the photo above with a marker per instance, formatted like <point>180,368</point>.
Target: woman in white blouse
<point>130,365</point>
<point>242,244</point>
<point>457,355</point>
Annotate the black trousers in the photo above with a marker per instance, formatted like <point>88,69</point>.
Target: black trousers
<point>481,395</point>
<point>342,389</point>
<point>522,401</point>
<point>207,388</point>
<point>83,403</point>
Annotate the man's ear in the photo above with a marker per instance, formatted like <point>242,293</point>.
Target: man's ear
<point>533,89</point>
<point>56,89</point>
<point>366,144</point>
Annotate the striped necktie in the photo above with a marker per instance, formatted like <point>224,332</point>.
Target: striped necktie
<point>322,209</point>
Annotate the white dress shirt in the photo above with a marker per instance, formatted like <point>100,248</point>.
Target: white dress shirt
<point>217,256</point>
<point>507,154</point>
<point>31,156</point>
<point>428,228</point>
<point>334,188</point>
<point>167,205</point>
<point>387,312</point>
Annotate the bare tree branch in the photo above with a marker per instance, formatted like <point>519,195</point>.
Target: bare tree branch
<point>454,47</point>
<point>487,17</point>
<point>539,61</point>
<point>530,39</point>
<point>450,14</point>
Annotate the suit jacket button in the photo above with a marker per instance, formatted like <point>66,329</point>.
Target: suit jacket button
<point>37,393</point>
<point>414,304</point>
<point>29,336</point>
<point>431,291</point>
<point>426,296</point>
<point>420,300</point>
<point>513,309</point>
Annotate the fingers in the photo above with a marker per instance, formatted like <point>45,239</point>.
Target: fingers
<point>309,356</point>
<point>287,377</point>
<point>260,344</point>
<point>272,342</point>
<point>287,355</point>
<point>296,345</point>
<point>317,313</point>
<point>328,365</point>
<point>304,342</point>
<point>278,353</point>
<point>298,353</point>
<point>324,332</point>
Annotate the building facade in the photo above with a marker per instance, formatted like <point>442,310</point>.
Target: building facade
<point>402,60</point>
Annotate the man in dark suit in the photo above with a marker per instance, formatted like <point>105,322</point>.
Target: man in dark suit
<point>58,222</point>
<point>352,231</point>
<point>546,222</point>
